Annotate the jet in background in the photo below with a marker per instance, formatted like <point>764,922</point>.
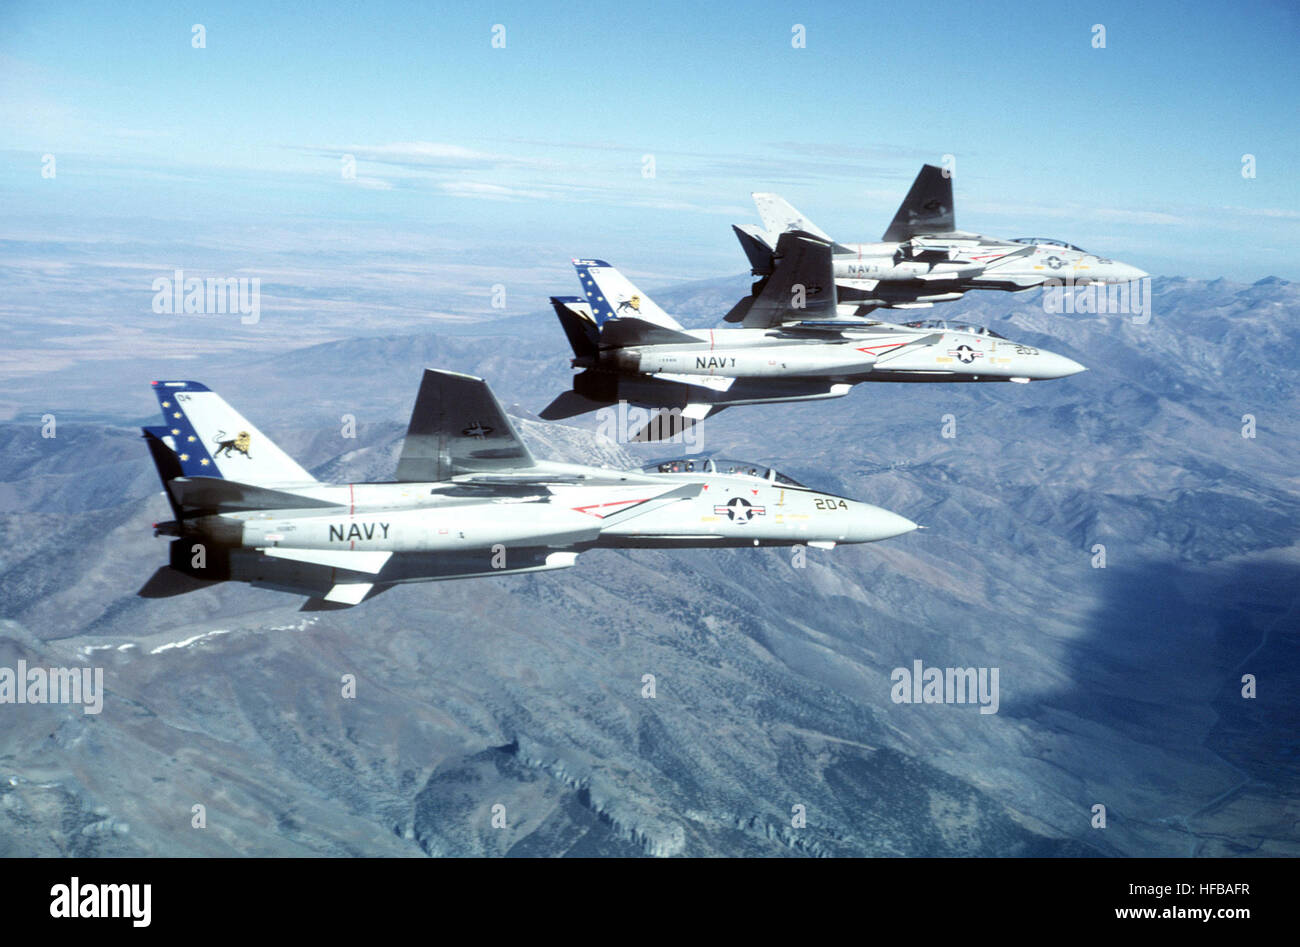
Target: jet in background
<point>923,258</point>
<point>468,499</point>
<point>794,346</point>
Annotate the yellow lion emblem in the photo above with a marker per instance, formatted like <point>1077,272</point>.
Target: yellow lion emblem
<point>229,446</point>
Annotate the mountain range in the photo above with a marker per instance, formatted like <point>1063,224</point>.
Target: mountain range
<point>772,730</point>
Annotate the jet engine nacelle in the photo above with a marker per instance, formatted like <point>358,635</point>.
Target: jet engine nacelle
<point>763,362</point>
<point>429,530</point>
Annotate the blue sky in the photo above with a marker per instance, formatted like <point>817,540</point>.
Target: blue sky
<point>535,152</point>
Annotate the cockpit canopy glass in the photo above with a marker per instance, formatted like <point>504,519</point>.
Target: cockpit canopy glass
<point>720,465</point>
<point>1048,242</point>
<point>948,325</point>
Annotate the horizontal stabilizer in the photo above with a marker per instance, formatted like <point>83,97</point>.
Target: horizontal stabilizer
<point>663,426</point>
<point>567,405</point>
<point>352,560</point>
<point>672,423</point>
<point>740,310</point>
<point>167,582</point>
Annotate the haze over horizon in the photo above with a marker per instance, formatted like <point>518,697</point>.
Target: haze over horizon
<point>519,158</point>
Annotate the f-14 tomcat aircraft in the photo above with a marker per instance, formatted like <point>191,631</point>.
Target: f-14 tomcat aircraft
<point>923,258</point>
<point>468,500</point>
<point>631,350</point>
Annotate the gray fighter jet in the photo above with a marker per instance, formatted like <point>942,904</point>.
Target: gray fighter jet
<point>468,500</point>
<point>794,346</point>
<point>923,258</point>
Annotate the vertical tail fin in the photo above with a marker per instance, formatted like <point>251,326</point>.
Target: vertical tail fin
<point>457,426</point>
<point>209,438</point>
<point>165,459</point>
<point>579,325</point>
<point>926,209</point>
<point>753,240</point>
<point>611,295</point>
<point>801,287</point>
<point>779,215</point>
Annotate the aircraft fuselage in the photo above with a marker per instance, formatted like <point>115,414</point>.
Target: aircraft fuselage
<point>940,268</point>
<point>583,508</point>
<point>842,354</point>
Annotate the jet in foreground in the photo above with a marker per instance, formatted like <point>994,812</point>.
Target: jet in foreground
<point>923,258</point>
<point>631,350</point>
<point>468,500</point>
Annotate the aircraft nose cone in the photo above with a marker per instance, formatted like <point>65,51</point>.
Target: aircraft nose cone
<point>1123,273</point>
<point>1065,367</point>
<point>1050,365</point>
<point>869,524</point>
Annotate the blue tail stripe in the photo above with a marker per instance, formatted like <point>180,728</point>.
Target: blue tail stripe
<point>192,453</point>
<point>600,306</point>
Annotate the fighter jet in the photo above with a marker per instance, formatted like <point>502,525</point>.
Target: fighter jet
<point>468,499</point>
<point>631,350</point>
<point>923,258</point>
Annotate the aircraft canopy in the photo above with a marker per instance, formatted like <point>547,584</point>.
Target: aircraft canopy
<point>942,324</point>
<point>1048,242</point>
<point>720,465</point>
